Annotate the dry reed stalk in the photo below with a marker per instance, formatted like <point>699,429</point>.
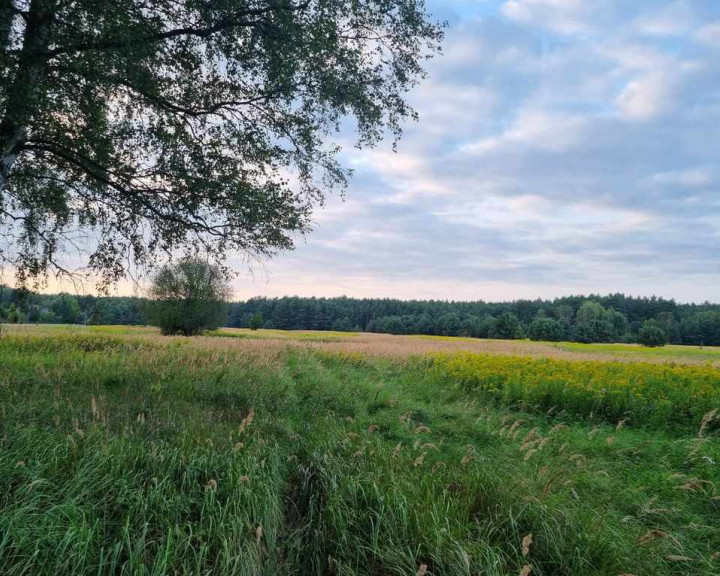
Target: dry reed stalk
<point>247,421</point>
<point>526,543</point>
<point>396,452</point>
<point>706,419</point>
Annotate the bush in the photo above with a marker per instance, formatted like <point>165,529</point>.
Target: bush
<point>651,335</point>
<point>188,297</point>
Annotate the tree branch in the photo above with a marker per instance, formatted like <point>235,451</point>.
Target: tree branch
<point>196,224</point>
<point>236,20</point>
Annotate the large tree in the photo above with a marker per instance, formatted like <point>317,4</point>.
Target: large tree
<point>156,125</point>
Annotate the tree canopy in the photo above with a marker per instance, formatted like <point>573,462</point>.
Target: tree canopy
<point>157,125</point>
<point>652,335</point>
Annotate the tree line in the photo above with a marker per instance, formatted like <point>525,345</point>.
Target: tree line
<point>22,306</point>
<point>594,318</point>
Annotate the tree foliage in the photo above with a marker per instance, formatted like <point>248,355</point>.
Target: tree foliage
<point>594,323</point>
<point>165,124</point>
<point>507,327</point>
<point>702,328</point>
<point>256,321</point>
<point>65,309</point>
<point>691,324</point>
<point>188,297</point>
<point>652,335</point>
<point>13,316</point>
<point>546,329</point>
<point>616,318</point>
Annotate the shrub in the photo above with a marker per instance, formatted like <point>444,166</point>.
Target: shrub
<point>188,297</point>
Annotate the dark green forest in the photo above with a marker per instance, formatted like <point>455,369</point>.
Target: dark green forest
<point>594,318</point>
<point>21,306</point>
<point>612,318</point>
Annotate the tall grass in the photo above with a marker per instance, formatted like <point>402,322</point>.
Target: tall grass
<point>146,455</point>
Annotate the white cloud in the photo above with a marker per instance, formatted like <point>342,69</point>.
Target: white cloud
<point>631,55</point>
<point>563,16</point>
<point>657,91</point>
<point>461,105</point>
<point>404,174</point>
<point>338,210</point>
<point>538,129</point>
<point>709,34</point>
<point>543,221</point>
<point>563,147</point>
<point>646,97</point>
<point>691,178</point>
<point>674,19</point>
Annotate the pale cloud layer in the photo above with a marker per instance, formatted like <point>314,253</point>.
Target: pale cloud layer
<point>564,146</point>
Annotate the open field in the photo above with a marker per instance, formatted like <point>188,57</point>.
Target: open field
<point>123,452</point>
<point>385,345</point>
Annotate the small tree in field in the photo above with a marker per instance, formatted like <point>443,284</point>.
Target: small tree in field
<point>651,335</point>
<point>13,315</point>
<point>188,297</point>
<point>256,321</point>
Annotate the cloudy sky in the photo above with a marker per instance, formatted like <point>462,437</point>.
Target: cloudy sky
<point>564,146</point>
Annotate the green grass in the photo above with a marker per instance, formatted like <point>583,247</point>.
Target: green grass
<point>451,338</point>
<point>711,353</point>
<point>302,335</point>
<point>122,455</point>
<point>60,329</point>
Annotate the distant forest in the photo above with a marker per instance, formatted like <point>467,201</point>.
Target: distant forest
<point>613,318</point>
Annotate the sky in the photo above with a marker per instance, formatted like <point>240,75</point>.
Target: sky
<point>563,147</point>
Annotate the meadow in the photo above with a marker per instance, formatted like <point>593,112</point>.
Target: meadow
<point>124,452</point>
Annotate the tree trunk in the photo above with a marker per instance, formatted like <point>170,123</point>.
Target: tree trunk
<point>27,89</point>
<point>7,14</point>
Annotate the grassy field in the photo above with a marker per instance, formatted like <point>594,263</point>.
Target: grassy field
<point>665,353</point>
<point>386,345</point>
<point>123,452</point>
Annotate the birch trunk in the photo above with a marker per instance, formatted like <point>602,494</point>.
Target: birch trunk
<point>26,89</point>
